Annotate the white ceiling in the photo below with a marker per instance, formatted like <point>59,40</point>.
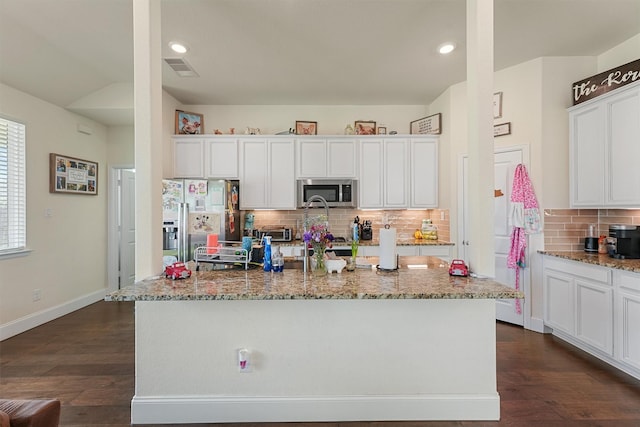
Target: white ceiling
<point>354,52</point>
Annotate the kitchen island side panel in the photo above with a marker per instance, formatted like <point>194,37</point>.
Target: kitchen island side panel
<point>315,360</point>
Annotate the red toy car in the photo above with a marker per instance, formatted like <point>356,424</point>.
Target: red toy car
<point>177,270</point>
<point>458,268</point>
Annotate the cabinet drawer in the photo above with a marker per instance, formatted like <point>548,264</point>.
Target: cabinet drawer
<point>586,271</point>
<point>628,281</point>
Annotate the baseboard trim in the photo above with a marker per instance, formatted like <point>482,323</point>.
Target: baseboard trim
<point>32,320</point>
<point>186,410</point>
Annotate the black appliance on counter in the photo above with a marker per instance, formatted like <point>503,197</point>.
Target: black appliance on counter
<point>367,231</point>
<point>627,241</point>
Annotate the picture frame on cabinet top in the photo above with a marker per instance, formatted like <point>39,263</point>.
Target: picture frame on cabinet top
<point>306,128</point>
<point>363,127</point>
<point>429,125</point>
<point>189,123</point>
<point>382,130</point>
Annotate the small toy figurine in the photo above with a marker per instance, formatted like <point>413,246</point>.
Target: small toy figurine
<point>458,268</point>
<point>217,132</point>
<point>177,270</point>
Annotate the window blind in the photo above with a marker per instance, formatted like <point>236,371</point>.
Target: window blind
<point>13,191</point>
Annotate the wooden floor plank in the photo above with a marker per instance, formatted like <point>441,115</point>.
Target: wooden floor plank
<point>86,359</point>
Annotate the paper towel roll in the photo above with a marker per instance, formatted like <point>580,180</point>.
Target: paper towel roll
<point>388,251</point>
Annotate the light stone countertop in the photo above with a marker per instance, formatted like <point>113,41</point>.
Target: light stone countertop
<point>602,260</point>
<point>432,282</point>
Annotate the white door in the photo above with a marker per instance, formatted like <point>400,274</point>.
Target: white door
<point>504,167</point>
<point>127,247</point>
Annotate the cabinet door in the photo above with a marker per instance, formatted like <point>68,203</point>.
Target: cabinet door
<point>222,156</point>
<point>594,315</point>
<point>623,137</point>
<point>188,159</point>
<point>370,192</point>
<point>628,319</point>
<point>424,173</point>
<point>281,176</point>
<point>587,141</point>
<point>341,158</point>
<point>396,177</point>
<point>312,158</point>
<point>253,179</point>
<point>559,300</point>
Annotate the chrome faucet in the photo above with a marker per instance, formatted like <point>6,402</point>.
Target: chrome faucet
<point>314,198</point>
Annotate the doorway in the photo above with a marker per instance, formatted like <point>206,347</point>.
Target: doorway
<point>121,243</point>
<point>505,162</point>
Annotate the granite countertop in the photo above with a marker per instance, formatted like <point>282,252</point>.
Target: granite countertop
<point>432,281</point>
<point>602,260</point>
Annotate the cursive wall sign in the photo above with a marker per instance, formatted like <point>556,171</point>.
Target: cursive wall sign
<point>602,83</point>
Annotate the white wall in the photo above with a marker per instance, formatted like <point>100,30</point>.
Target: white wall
<point>120,143</point>
<point>68,262</point>
<point>625,52</point>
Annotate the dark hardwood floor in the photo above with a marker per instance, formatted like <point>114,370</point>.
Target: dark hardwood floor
<point>86,359</point>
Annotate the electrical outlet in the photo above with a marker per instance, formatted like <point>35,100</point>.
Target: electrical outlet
<point>37,295</point>
<point>442,216</point>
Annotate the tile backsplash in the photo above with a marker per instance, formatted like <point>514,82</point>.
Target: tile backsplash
<point>565,229</point>
<point>340,220</point>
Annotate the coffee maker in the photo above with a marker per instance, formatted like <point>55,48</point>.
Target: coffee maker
<point>626,241</point>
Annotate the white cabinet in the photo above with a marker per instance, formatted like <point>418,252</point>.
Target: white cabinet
<point>604,149</point>
<point>578,300</point>
<point>384,178</point>
<point>221,156</point>
<point>267,173</point>
<point>558,300</point>
<point>206,156</point>
<point>188,158</point>
<point>627,319</point>
<point>331,157</point>
<point>424,173</point>
<point>398,173</point>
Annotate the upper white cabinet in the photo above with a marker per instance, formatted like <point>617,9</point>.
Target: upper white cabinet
<point>330,157</point>
<point>397,173</point>
<point>384,177</point>
<point>267,173</point>
<point>221,158</point>
<point>424,173</point>
<point>188,157</point>
<point>604,144</point>
<point>205,157</point>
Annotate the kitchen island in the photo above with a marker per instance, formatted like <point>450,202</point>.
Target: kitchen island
<point>412,344</point>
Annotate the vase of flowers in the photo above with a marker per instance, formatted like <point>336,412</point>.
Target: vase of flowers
<point>318,238</point>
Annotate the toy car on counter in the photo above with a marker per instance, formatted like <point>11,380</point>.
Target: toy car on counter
<point>177,270</point>
<point>458,268</point>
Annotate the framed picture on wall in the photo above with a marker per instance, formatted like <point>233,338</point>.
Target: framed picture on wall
<point>72,175</point>
<point>306,128</point>
<point>189,123</point>
<point>429,125</point>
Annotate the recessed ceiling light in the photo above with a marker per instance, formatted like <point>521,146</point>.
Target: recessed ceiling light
<point>446,48</point>
<point>178,47</point>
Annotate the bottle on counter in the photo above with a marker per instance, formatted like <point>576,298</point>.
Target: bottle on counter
<point>266,265</point>
<point>277,259</point>
<point>355,229</point>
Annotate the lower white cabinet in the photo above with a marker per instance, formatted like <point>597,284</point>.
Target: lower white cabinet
<point>627,337</point>
<point>594,308</point>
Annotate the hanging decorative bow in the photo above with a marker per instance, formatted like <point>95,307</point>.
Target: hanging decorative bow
<point>524,216</point>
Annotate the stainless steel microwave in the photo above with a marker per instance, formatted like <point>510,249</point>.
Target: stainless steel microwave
<point>339,193</point>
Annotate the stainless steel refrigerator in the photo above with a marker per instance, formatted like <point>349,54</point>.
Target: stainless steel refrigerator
<point>193,209</point>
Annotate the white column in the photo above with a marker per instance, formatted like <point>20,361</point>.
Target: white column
<point>480,138</point>
<point>148,136</point>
